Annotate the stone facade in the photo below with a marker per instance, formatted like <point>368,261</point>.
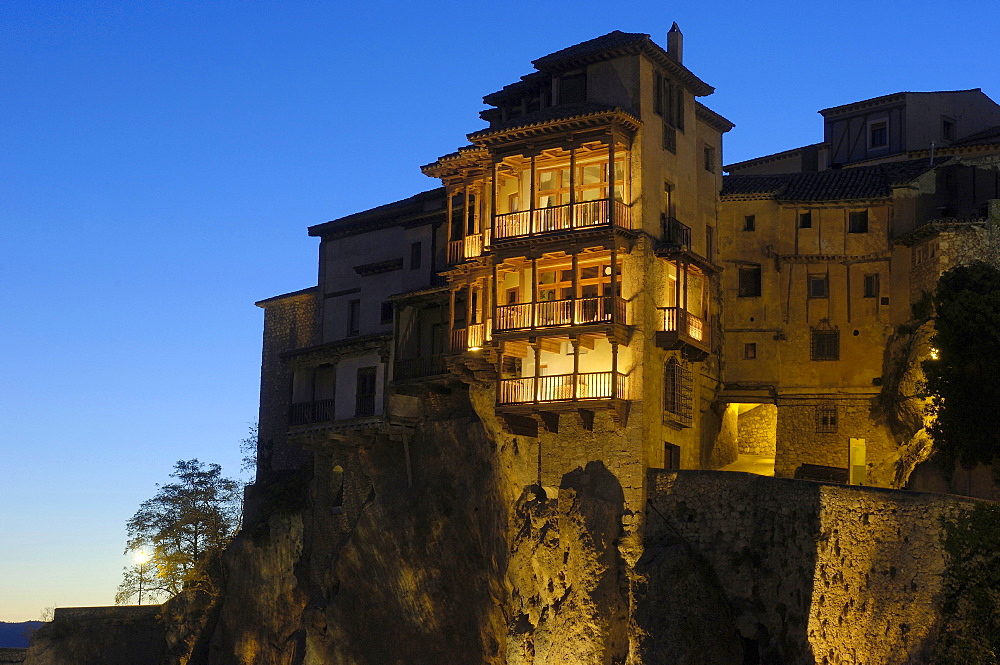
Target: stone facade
<point>756,430</point>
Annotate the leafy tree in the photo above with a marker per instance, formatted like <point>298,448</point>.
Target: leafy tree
<point>248,448</point>
<point>182,526</point>
<point>964,377</point>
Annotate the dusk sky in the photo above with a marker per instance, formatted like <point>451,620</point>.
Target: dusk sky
<point>160,162</point>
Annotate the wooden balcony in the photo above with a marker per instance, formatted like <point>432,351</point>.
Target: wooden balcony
<point>675,234</point>
<point>418,368</point>
<point>561,388</point>
<point>468,247</point>
<point>569,217</point>
<point>470,338</point>
<point>560,313</point>
<point>682,330</point>
<point>308,413</point>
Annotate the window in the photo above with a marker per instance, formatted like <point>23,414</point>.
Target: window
<point>750,351</point>
<point>415,255</point>
<point>354,317</point>
<point>386,312</point>
<point>677,391</point>
<point>824,345</point>
<point>858,222</point>
<point>671,456</point>
<point>364,393</point>
<point>826,419</point>
<point>750,223</point>
<point>947,129</point>
<point>819,286</point>
<point>749,282</point>
<point>710,159</point>
<point>669,138</point>
<point>871,286</point>
<point>878,134</point>
<point>805,220</point>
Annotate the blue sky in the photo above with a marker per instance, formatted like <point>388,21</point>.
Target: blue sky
<point>160,161</point>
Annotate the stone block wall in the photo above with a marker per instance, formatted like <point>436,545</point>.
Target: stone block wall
<point>799,442</point>
<point>756,430</point>
<point>290,322</point>
<point>813,572</point>
<point>118,635</point>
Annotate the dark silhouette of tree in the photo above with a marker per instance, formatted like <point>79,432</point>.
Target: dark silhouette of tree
<point>182,527</point>
<point>964,378</point>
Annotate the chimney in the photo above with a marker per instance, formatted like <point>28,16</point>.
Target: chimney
<point>675,44</point>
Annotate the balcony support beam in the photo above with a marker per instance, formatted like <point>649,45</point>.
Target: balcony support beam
<point>550,421</point>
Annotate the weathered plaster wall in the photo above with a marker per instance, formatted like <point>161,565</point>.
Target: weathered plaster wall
<point>813,573</point>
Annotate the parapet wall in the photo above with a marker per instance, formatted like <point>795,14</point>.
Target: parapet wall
<point>117,635</point>
<point>813,572</point>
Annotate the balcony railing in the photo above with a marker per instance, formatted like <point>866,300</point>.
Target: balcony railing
<point>583,215</point>
<point>470,338</point>
<point>468,247</point>
<point>415,368</point>
<point>675,233</point>
<point>555,313</point>
<point>679,320</point>
<point>306,413</point>
<point>561,388</point>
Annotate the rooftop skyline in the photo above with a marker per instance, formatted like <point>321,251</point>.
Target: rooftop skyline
<point>162,162</point>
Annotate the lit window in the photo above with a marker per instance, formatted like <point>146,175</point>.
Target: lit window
<point>749,282</point>
<point>819,286</point>
<point>824,345</point>
<point>826,419</point>
<point>858,222</point>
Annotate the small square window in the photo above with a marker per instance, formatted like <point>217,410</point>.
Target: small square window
<point>805,220</point>
<point>750,223</point>
<point>386,312</point>
<point>871,285</point>
<point>749,286</point>
<point>824,345</point>
<point>710,159</point>
<point>878,134</point>
<point>858,222</point>
<point>750,351</point>
<point>819,286</point>
<point>826,419</point>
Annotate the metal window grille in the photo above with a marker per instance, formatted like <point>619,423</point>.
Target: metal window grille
<point>749,282</point>
<point>824,345</point>
<point>826,419</point>
<point>678,385</point>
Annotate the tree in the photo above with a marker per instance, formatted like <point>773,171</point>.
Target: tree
<point>182,527</point>
<point>963,374</point>
<point>248,448</point>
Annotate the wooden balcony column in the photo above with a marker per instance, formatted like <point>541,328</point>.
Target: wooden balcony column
<point>531,197</point>
<point>534,290</point>
<point>572,189</point>
<point>575,258</point>
<point>575,341</point>
<point>450,213</point>
<point>451,310</point>
<point>614,367</point>
<point>611,185</point>
<point>466,212</point>
<point>537,346</point>
<point>614,281</point>
<point>468,304</point>
<point>685,307</point>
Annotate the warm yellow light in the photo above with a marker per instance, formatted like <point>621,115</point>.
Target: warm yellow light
<point>934,353</point>
<point>475,348</point>
<point>142,557</point>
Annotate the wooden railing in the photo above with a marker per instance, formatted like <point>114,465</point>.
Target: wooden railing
<point>675,233</point>
<point>582,215</point>
<point>415,368</point>
<point>561,387</point>
<point>468,247</point>
<point>554,313</point>
<point>305,413</point>
<point>470,338</point>
<point>679,320</point>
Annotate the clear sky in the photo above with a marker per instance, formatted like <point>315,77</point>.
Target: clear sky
<point>161,160</point>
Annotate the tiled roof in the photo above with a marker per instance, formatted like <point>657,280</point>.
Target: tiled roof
<point>382,216</point>
<point>986,137</point>
<point>610,41</point>
<point>892,97</point>
<point>545,115</point>
<point>860,182</point>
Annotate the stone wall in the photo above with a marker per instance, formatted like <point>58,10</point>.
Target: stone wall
<point>799,442</point>
<point>122,635</point>
<point>757,429</point>
<point>812,572</point>
<point>12,655</point>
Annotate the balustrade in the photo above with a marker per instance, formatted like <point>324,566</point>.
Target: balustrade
<point>585,214</point>
<point>306,413</point>
<point>562,387</point>
<point>553,313</point>
<point>679,320</point>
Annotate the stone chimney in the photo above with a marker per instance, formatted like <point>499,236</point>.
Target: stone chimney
<point>675,44</point>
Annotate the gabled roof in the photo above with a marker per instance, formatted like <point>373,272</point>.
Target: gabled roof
<point>883,100</point>
<point>988,136</point>
<point>592,50</point>
<point>857,183</point>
